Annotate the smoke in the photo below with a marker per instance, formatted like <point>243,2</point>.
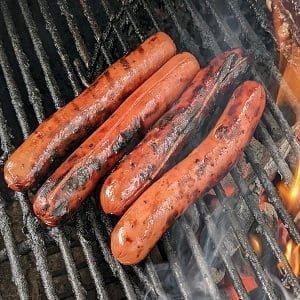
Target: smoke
<point>190,279</point>
<point>181,273</point>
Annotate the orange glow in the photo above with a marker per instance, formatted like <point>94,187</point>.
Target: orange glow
<point>255,244</point>
<point>291,195</point>
<point>248,282</point>
<point>291,199</point>
<point>292,254</point>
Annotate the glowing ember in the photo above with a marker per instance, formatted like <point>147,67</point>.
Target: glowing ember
<point>292,254</point>
<point>248,282</point>
<point>255,243</point>
<point>291,195</point>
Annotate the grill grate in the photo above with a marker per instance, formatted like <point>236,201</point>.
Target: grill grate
<point>202,28</point>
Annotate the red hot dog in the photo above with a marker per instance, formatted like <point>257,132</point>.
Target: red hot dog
<point>151,215</point>
<point>51,140</point>
<point>74,180</point>
<point>150,159</point>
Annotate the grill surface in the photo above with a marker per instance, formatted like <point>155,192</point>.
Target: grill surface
<point>48,53</point>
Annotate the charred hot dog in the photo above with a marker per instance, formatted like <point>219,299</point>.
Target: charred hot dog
<point>152,156</point>
<point>51,140</point>
<point>151,215</point>
<point>73,181</point>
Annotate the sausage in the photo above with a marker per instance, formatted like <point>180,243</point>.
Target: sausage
<point>155,210</point>
<point>52,139</point>
<point>151,158</point>
<point>74,180</point>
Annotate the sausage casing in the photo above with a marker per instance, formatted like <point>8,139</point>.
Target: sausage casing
<point>70,124</point>
<point>151,158</point>
<point>74,179</point>
<point>154,211</point>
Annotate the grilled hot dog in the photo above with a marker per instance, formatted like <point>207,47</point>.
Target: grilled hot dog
<point>166,139</point>
<point>73,181</point>
<point>151,215</point>
<point>51,140</point>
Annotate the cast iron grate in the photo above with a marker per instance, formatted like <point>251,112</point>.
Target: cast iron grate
<point>51,51</point>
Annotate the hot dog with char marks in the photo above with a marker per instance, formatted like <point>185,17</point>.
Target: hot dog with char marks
<point>74,180</point>
<point>52,139</point>
<point>166,139</point>
<point>153,212</point>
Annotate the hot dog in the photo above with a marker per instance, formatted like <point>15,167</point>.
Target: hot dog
<point>166,139</point>
<point>73,181</point>
<point>52,139</point>
<point>153,212</point>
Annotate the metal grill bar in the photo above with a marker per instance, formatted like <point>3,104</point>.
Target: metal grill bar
<point>242,237</point>
<point>79,42</point>
<point>42,56</point>
<point>110,16</point>
<point>272,194</point>
<point>176,267</point>
<point>33,92</point>
<point>91,19</point>
<point>22,249</point>
<point>101,38</point>
<point>261,17</point>
<point>268,142</point>
<point>284,125</point>
<point>184,36</point>
<point>37,245</point>
<point>10,245</point>
<point>88,252</point>
<point>208,41</point>
<point>147,9</point>
<point>14,92</point>
<point>133,21</point>
<point>154,277</point>
<point>74,279</point>
<point>50,25</point>
<point>222,250</point>
<point>229,37</point>
<point>261,53</point>
<point>6,144</point>
<point>253,206</point>
<point>199,258</point>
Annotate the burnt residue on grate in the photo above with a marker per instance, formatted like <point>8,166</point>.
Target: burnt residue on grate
<point>48,51</point>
